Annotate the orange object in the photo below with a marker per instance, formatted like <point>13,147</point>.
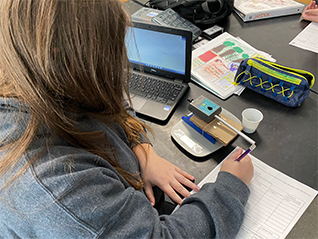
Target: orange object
<point>304,1</point>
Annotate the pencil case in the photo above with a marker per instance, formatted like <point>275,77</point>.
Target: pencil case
<point>285,85</point>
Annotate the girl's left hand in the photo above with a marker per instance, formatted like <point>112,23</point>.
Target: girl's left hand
<point>156,171</point>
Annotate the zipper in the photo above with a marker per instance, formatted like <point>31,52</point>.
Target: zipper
<point>296,71</point>
<point>293,78</point>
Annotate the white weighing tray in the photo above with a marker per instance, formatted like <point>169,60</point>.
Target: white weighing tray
<point>193,142</point>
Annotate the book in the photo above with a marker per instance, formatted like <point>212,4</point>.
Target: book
<point>275,204</point>
<point>251,10</point>
<point>214,64</point>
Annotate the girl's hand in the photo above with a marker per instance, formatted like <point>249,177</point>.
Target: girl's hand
<point>311,12</point>
<point>242,169</point>
<point>156,171</point>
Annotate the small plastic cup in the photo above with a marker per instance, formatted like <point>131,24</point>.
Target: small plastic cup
<point>250,119</point>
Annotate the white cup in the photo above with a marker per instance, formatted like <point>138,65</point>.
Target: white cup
<point>250,119</point>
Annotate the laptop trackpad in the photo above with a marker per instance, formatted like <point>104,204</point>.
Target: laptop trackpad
<point>138,103</point>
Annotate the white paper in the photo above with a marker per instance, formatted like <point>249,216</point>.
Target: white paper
<point>276,202</point>
<point>215,69</point>
<point>308,38</point>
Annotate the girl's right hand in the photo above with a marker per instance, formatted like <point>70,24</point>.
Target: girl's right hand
<point>242,169</point>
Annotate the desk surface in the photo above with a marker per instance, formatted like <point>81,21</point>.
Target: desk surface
<point>286,138</point>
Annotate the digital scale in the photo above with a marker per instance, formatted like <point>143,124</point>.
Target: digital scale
<point>193,139</point>
<point>194,142</point>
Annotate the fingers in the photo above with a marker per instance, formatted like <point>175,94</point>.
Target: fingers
<point>242,169</point>
<point>184,173</point>
<point>184,178</point>
<point>172,194</point>
<point>178,185</point>
<point>190,185</point>
<point>312,5</point>
<point>149,193</point>
<point>237,153</point>
<point>184,182</point>
<point>313,12</point>
<point>311,18</point>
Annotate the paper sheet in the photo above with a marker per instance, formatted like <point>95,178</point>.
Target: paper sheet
<point>276,202</point>
<point>215,62</point>
<point>308,38</point>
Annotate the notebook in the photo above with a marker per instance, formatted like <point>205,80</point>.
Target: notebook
<point>163,54</point>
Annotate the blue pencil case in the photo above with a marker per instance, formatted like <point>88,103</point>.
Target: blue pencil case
<point>285,85</point>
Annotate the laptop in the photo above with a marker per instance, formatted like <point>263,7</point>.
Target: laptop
<point>161,54</point>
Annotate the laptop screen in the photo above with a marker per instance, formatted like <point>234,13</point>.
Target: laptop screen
<point>159,49</point>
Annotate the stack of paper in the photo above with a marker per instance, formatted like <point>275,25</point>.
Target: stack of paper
<point>215,63</point>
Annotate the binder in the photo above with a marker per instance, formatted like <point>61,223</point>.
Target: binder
<point>251,10</point>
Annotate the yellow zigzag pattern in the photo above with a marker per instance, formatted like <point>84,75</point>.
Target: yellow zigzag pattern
<point>283,90</point>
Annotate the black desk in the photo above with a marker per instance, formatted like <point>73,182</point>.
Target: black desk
<point>286,139</point>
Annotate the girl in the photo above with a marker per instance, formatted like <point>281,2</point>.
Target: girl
<point>74,161</point>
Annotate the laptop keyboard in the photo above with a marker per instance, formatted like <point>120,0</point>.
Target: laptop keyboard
<point>154,89</point>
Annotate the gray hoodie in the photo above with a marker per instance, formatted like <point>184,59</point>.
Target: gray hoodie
<point>72,193</point>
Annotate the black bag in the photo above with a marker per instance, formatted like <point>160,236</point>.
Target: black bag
<point>197,11</point>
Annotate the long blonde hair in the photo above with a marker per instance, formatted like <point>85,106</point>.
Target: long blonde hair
<point>67,56</point>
